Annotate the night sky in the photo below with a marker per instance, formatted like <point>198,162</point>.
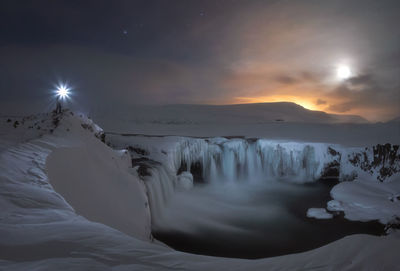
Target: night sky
<point>123,53</point>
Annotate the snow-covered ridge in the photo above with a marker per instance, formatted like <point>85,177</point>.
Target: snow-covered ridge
<point>61,159</point>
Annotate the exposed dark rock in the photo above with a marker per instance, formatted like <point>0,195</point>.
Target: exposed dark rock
<point>182,168</point>
<point>138,150</point>
<point>332,169</point>
<point>385,160</point>
<point>8,120</point>
<point>56,121</point>
<point>333,152</point>
<point>136,161</point>
<point>394,224</point>
<point>394,198</point>
<point>87,127</point>
<point>144,165</point>
<point>16,123</point>
<point>102,136</point>
<point>143,170</point>
<point>197,171</point>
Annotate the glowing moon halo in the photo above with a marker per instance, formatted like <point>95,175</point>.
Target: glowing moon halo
<point>343,72</point>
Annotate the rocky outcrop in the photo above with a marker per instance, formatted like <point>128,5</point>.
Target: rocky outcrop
<point>382,160</point>
<point>332,169</point>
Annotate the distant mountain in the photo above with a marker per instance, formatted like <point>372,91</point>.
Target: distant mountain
<point>395,120</point>
<point>232,114</point>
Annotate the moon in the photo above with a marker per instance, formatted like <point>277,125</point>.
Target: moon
<point>343,72</point>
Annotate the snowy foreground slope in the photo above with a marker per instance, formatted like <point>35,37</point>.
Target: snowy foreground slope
<point>70,202</point>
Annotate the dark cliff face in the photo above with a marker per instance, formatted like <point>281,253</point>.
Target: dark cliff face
<point>332,169</point>
<point>385,160</point>
<point>382,160</point>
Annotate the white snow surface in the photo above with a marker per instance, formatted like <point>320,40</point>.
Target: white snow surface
<point>319,213</point>
<point>365,200</point>
<point>62,198</point>
<point>277,121</point>
<point>91,177</point>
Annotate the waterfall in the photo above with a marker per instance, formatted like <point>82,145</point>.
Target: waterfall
<point>220,160</point>
<point>174,162</point>
<point>239,159</point>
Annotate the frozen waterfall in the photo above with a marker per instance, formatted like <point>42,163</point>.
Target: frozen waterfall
<point>232,160</point>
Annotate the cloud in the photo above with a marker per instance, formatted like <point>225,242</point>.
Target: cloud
<point>363,79</point>
<point>320,102</point>
<point>285,79</point>
<point>341,107</point>
<point>364,94</point>
<point>98,76</point>
<point>258,50</point>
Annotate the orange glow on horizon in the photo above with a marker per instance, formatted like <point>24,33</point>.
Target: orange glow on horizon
<point>306,103</point>
<point>310,103</point>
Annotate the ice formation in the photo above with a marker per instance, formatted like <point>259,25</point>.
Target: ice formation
<point>230,160</point>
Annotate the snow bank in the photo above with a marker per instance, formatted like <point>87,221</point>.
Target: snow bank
<point>319,213</point>
<point>96,179</point>
<point>366,200</point>
<point>66,156</point>
<point>99,190</point>
<point>356,252</point>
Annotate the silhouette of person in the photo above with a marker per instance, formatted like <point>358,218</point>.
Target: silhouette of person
<point>58,106</point>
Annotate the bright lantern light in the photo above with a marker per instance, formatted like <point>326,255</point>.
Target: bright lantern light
<point>343,72</point>
<point>62,91</point>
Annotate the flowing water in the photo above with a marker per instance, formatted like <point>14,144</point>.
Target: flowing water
<point>252,220</point>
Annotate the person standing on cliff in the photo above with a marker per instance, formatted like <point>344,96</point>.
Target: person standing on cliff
<point>58,105</point>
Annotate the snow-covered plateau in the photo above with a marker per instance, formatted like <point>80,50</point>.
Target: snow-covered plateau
<point>75,198</point>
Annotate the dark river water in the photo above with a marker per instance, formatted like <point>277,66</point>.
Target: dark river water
<point>252,220</point>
